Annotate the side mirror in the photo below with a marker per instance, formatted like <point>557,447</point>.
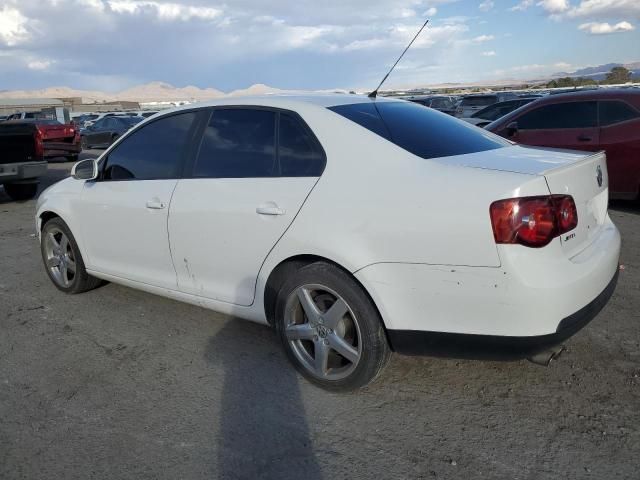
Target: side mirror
<point>512,129</point>
<point>85,170</point>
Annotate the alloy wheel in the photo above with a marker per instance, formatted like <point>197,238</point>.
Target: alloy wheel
<point>59,257</point>
<point>323,332</point>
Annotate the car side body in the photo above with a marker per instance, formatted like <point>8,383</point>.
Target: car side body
<point>413,231</point>
<point>590,120</point>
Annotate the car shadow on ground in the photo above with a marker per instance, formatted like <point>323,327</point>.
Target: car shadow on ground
<point>263,431</point>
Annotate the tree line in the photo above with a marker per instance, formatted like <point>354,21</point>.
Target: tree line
<point>615,76</point>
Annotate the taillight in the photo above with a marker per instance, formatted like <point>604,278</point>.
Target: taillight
<point>533,221</point>
<point>39,145</point>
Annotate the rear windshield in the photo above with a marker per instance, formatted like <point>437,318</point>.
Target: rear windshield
<point>422,131</point>
<point>479,101</point>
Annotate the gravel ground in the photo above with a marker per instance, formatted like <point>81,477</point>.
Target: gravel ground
<point>117,383</point>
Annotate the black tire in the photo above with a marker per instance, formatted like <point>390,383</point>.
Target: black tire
<point>83,143</point>
<point>374,351</point>
<point>21,191</point>
<point>81,281</point>
<point>72,158</point>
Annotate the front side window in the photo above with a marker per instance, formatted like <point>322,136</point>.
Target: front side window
<point>152,152</point>
<point>424,132</point>
<point>238,143</point>
<point>560,115</point>
<point>616,111</point>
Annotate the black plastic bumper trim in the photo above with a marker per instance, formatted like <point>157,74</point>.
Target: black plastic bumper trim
<point>496,347</point>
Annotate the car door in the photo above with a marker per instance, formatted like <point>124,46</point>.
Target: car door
<point>92,133</point>
<point>572,124</point>
<point>620,138</point>
<point>124,213</point>
<point>250,176</point>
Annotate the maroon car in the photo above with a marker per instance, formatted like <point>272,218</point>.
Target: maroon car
<point>592,120</point>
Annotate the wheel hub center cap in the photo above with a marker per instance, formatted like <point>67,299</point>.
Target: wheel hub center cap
<point>322,331</point>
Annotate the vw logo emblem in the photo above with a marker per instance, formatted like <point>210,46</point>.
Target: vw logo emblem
<point>599,175</point>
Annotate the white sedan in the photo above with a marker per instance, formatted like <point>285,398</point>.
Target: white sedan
<point>354,226</point>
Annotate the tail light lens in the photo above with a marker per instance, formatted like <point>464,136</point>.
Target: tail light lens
<point>533,221</point>
<point>39,145</point>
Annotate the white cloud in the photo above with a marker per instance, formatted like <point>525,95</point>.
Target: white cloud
<point>595,28</point>
<point>606,8</point>
<point>482,38</point>
<point>486,5</point>
<point>522,6</point>
<point>431,12</point>
<point>164,11</point>
<point>489,53</point>
<point>12,26</point>
<point>39,64</point>
<point>554,6</point>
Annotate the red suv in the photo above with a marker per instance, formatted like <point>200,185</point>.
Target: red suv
<point>592,120</point>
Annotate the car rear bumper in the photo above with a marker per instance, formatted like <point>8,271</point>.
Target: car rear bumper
<point>11,172</point>
<point>457,345</point>
<point>529,295</point>
<point>61,149</point>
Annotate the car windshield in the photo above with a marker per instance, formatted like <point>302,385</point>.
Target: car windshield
<point>441,103</point>
<point>479,101</point>
<point>421,131</point>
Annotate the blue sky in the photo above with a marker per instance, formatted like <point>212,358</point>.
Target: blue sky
<point>111,45</point>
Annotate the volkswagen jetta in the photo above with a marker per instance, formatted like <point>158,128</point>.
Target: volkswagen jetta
<point>354,226</point>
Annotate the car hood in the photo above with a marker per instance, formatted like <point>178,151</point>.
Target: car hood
<point>517,159</point>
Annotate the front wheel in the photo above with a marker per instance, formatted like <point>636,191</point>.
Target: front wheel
<point>21,191</point>
<point>330,328</point>
<point>62,259</point>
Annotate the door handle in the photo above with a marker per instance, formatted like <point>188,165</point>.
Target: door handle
<point>155,205</point>
<point>270,208</point>
<point>584,138</point>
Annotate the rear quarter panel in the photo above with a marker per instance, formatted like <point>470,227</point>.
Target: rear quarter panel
<point>375,202</point>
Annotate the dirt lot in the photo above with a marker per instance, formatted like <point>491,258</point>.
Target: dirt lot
<point>117,383</point>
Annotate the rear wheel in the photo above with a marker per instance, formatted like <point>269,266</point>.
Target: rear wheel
<point>21,191</point>
<point>330,329</point>
<point>62,259</point>
<point>83,143</point>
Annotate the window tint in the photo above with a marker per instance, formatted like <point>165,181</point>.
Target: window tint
<point>238,143</point>
<point>422,131</point>
<point>560,115</point>
<point>298,152</point>
<point>616,111</point>
<point>153,152</point>
<point>479,101</point>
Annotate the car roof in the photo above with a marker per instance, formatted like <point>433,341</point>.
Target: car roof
<point>592,94</point>
<point>289,101</point>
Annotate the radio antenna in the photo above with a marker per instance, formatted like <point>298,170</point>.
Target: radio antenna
<point>374,94</point>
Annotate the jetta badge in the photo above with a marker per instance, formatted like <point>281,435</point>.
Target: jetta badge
<point>599,175</point>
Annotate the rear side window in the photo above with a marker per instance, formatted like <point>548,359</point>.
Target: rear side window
<point>615,111</point>
<point>299,153</point>
<point>153,152</point>
<point>560,115</point>
<point>424,132</point>
<point>238,143</point>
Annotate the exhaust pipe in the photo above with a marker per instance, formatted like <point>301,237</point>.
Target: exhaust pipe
<point>545,356</point>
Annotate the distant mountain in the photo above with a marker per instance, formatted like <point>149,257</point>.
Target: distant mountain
<point>150,92</point>
<point>599,72</point>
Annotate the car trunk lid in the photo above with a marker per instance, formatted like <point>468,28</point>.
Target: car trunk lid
<point>587,182</point>
<point>583,175</point>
